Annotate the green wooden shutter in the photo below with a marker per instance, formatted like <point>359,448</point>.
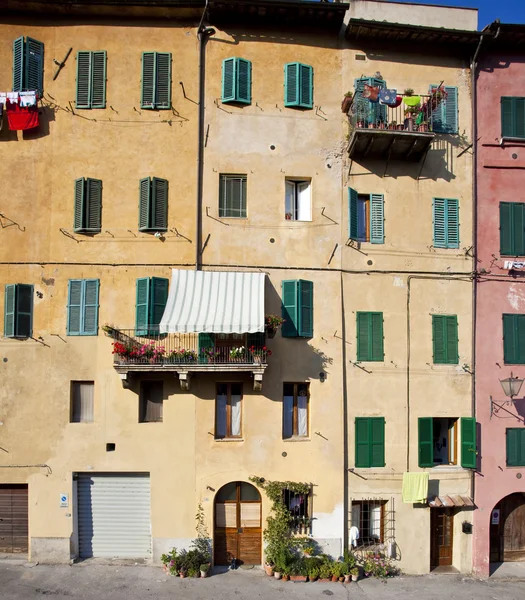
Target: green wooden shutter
<point>518,229</point>
<point>363,339</point>
<point>376,337</point>
<point>93,213</point>
<point>438,115</point>
<point>79,221</point>
<point>228,80</point>
<point>90,307</point>
<point>289,293</point>
<point>515,447</point>
<point>159,208</point>
<point>159,298</point>
<point>451,110</point>
<point>244,81</point>
<point>291,84</point>
<point>84,79</point>
<point>34,65</point>
<point>9,310</point>
<point>377,442</point>
<point>306,86</point>
<point>306,308</point>
<point>206,340</point>
<point>514,339</point>
<point>362,442</point>
<point>439,221</point>
<point>144,204</point>
<point>353,218</point>
<point>24,310</point>
<point>520,336</point>
<point>163,80</point>
<point>18,64</point>
<point>468,442</point>
<point>452,215</point>
<point>74,307</point>
<point>507,125</point>
<point>439,339</point>
<point>426,442</point>
<point>148,80</point>
<point>506,245</point>
<point>451,324</point>
<point>142,306</point>
<point>98,79</point>
<point>377,230</point>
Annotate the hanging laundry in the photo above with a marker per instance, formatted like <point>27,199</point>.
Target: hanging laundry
<point>388,97</point>
<point>371,93</point>
<point>28,98</point>
<point>21,118</point>
<point>353,536</point>
<point>411,100</point>
<point>13,96</point>
<point>3,98</point>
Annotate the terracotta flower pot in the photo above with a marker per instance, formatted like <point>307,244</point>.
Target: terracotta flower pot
<point>298,577</point>
<point>286,577</point>
<point>345,105</point>
<point>324,579</point>
<point>182,574</point>
<point>335,578</point>
<point>270,332</point>
<point>269,570</point>
<point>348,578</point>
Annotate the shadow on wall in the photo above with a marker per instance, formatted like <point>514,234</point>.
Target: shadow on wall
<point>491,63</point>
<point>46,115</point>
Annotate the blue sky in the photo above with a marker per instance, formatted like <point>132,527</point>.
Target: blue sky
<point>507,11</point>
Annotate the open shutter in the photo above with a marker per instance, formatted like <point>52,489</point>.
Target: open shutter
<point>377,233</point>
<point>159,298</point>
<point>79,222</point>
<point>291,84</point>
<point>363,339</point>
<point>520,335</point>
<point>18,64</point>
<point>376,337</point>
<point>84,79</point>
<point>142,310</point>
<point>518,229</point>
<point>228,79</point>
<point>451,110</point>
<point>90,307</point>
<point>94,204</point>
<point>144,204</point>
<point>377,442</point>
<point>439,217</point>
<point>24,310</point>
<point>304,201</point>
<point>159,192</point>
<point>507,108</point>
<point>452,223</point>
<point>353,218</point>
<point>438,339</point>
<point>98,79</point>
<point>468,442</point>
<point>206,340</point>
<point>451,324</point>
<point>148,80</point>
<point>289,293</point>
<point>505,229</point>
<point>34,65</point>
<point>438,115</point>
<point>74,307</point>
<point>426,442</point>
<point>163,80</point>
<point>306,86</point>
<point>306,308</point>
<point>9,310</point>
<point>362,442</point>
<point>244,81</point>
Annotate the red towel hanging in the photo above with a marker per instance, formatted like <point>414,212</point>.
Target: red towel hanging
<point>21,118</point>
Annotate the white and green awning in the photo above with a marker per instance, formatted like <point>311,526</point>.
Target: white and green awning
<point>214,302</point>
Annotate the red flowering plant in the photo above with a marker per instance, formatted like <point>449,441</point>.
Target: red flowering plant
<point>261,353</point>
<point>139,351</point>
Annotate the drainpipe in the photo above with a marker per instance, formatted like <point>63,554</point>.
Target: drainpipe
<point>203,33</point>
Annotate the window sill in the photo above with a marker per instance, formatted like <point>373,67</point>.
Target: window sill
<point>449,468</point>
<point>149,422</point>
<point>235,218</point>
<point>297,438</point>
<point>223,440</point>
<point>521,467</point>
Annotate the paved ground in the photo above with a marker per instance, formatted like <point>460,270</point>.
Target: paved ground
<point>89,580</point>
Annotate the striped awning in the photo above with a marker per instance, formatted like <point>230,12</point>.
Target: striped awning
<point>449,501</point>
<point>214,302</point>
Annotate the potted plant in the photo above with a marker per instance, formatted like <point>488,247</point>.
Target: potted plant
<point>182,572</point>
<point>354,572</point>
<point>204,569</point>
<point>400,127</point>
<point>272,324</point>
<point>408,92</point>
<point>313,573</point>
<point>347,102</point>
<point>423,127</point>
<point>298,571</point>
<point>286,570</point>
<point>360,124</point>
<point>382,125</point>
<point>268,568</point>
<point>325,571</point>
<point>392,125</point>
<point>237,354</point>
<point>308,551</point>
<point>259,355</point>
<point>211,354</point>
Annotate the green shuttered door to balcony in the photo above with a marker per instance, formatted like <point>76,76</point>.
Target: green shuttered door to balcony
<point>151,299</point>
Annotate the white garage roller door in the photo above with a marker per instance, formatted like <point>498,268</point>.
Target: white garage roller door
<point>114,515</point>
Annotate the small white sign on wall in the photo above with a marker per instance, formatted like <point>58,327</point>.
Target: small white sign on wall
<point>495,517</point>
<point>64,500</point>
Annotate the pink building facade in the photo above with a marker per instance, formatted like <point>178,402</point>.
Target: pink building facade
<point>499,521</point>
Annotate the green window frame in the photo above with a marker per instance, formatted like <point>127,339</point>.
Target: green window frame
<point>91,79</point>
<point>375,214</point>
<point>468,442</point>
<point>28,65</point>
<point>512,228</point>
<point>512,116</point>
<point>298,85</point>
<point>297,308</point>
<point>18,310</point>
<point>82,307</point>
<point>232,196</point>
<point>156,81</point>
<point>445,116</point>
<point>445,339</point>
<point>153,204</point>
<point>150,303</point>
<point>88,205</point>
<point>513,339</point>
<point>236,81</point>
<point>445,216</point>
<point>370,340</point>
<point>515,444</point>
<point>369,442</point>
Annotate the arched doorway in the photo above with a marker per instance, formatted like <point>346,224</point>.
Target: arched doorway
<point>507,529</point>
<point>237,530</point>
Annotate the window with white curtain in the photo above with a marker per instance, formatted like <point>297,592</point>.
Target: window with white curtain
<point>298,200</point>
<point>228,410</point>
<point>295,410</point>
<point>82,401</point>
<point>368,517</point>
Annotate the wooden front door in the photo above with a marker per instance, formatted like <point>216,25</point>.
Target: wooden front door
<point>441,534</point>
<point>238,529</point>
<point>13,519</point>
<point>512,528</point>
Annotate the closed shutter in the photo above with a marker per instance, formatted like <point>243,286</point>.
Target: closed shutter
<point>228,80</point>
<point>34,65</point>
<point>13,518</point>
<point>163,80</point>
<point>291,84</point>
<point>206,340</point>
<point>9,310</point>
<point>90,315</point>
<point>83,79</point>
<point>377,442</point>
<point>24,310</point>
<point>515,447</point>
<point>452,223</point>
<point>514,339</point>
<point>114,515</point>
<point>18,64</point>
<point>370,442</point>
<point>445,339</point>
<point>306,86</point>
<point>370,336</point>
<point>377,233</point>
<point>518,228</point>
<point>290,327</point>
<point>451,324</point>
<point>142,305</point>
<point>159,298</point>
<point>98,79</point>
<point>376,336</point>
<point>505,229</point>
<point>74,307</point>
<point>159,210</point>
<point>93,214</point>
<point>363,341</point>
<point>426,442</point>
<point>148,80</point>
<point>353,218</point>
<point>362,442</point>
<point>144,204</point>
<point>440,223</point>
<point>306,308</point>
<point>244,81</point>
<point>512,116</point>
<point>468,442</point>
<point>79,223</point>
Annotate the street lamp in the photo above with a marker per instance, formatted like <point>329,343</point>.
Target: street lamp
<point>511,386</point>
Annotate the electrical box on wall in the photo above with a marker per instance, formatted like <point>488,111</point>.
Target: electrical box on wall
<point>466,527</point>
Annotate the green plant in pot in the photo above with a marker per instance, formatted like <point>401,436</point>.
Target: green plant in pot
<point>354,572</point>
<point>313,573</point>
<point>204,569</point>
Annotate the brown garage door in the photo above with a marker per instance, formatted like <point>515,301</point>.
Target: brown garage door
<point>13,518</point>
